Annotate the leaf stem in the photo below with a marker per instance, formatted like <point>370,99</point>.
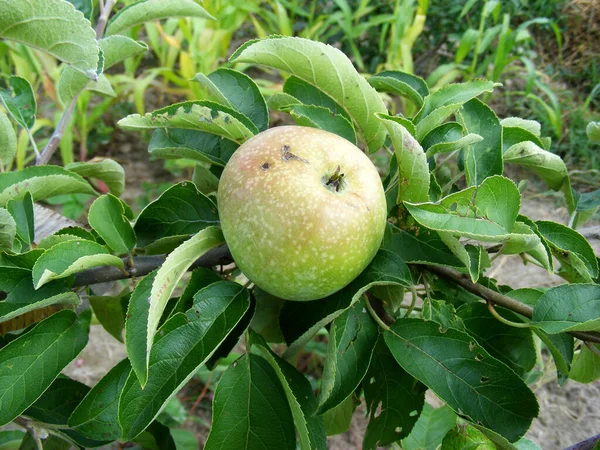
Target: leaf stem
<point>503,320</point>
<point>374,314</point>
<point>411,307</point>
<point>35,149</point>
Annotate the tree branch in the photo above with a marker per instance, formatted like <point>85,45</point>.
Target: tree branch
<point>499,299</point>
<point>143,265</point>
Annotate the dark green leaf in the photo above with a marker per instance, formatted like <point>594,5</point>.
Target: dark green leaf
<point>266,317</point>
<point>250,409</point>
<point>401,83</point>
<point>180,210</point>
<point>107,217</point>
<point>22,212</point>
<point>180,347</point>
<point>11,439</point>
<point>8,230</point>
<point>338,419</point>
<point>96,416</point>
<point>308,94</point>
<point>322,118</point>
<point>156,437</point>
<point>110,312</point>
<point>30,363</point>
<point>19,101</point>
<point>464,375</point>
<point>206,182</point>
<point>58,402</point>
<point>394,400</point>
<point>586,366</point>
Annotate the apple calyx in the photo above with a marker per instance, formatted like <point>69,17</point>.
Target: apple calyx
<point>335,182</point>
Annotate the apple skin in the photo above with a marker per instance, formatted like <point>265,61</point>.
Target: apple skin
<point>288,231</point>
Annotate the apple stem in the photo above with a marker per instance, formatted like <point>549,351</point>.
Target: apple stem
<point>335,181</point>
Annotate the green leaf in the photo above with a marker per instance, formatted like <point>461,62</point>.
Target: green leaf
<point>174,143</point>
<point>70,257</point>
<point>322,118</point>
<point>169,274</point>
<point>570,248</point>
<point>198,115</point>
<point>352,338</point>
<point>404,84</point>
<point>42,182</point>
<point>466,44</point>
<point>266,317</point>
<point>300,396</point>
<point>149,10</point>
<point>30,363</point>
<point>430,429</point>
<point>156,437</point>
<point>85,6</point>
<point>106,170</point>
<point>119,48</point>
<point>448,137</point>
<point>297,91</point>
<point>96,416</point>
<point>238,91</point>
<point>399,396</point>
<point>593,131</point>
<point>586,366</point>
<point>204,180</point>
<point>300,321</point>
<point>19,101</point>
<point>22,212</point>
<point>24,298</point>
<point>182,345</point>
<point>180,210</point>
<point>280,100</point>
<point>107,217</point>
<point>570,307</point>
<point>466,438</point>
<point>58,401</point>
<point>250,409</point>
<point>533,126</point>
<point>516,135</point>
<point>326,68</point>
<point>55,27</point>
<point>513,346</point>
<point>434,120</point>
<point>464,375</point>
<point>413,170</point>
<point>199,279</point>
<point>11,439</point>
<point>110,313</point>
<point>483,159</point>
<point>8,230</point>
<point>8,140</point>
<point>474,258</point>
<point>548,166</point>
<point>338,419</point>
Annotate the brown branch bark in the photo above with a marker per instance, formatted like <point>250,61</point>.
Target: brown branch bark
<point>499,299</point>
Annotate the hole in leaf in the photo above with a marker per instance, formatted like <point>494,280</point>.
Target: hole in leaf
<point>378,409</point>
<point>472,346</point>
<point>479,357</point>
<point>485,379</point>
<point>413,413</point>
<point>398,429</point>
<point>372,380</point>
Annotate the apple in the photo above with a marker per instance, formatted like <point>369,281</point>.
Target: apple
<point>302,210</point>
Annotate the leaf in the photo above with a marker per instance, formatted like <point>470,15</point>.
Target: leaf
<point>118,48</point>
<point>448,137</point>
<point>22,212</point>
<point>300,396</point>
<point>326,68</point>
<point>394,400</point>
<point>199,146</point>
<point>11,439</point>
<point>30,363</point>
<point>85,6</point>
<point>8,230</point>
<point>149,10</point>
<point>110,313</point>
<point>434,120</point>
<point>338,419</point>
<point>182,345</point>
<point>180,210</point>
<point>156,437</point>
<point>42,182</point>
<point>483,159</point>
<point>266,317</point>
<point>570,307</point>
<point>71,83</point>
<point>198,115</point>
<point>402,83</point>
<point>96,416</point>
<point>352,338</point>
<point>24,298</point>
<point>586,366</point>
<point>70,257</point>
<point>430,429</point>
<point>297,92</point>
<point>58,401</point>
<point>8,140</point>
<point>106,170</point>
<point>107,217</point>
<point>570,248</point>
<point>413,170</point>
<point>593,131</point>
<point>462,438</point>
<point>55,27</point>
<point>474,258</point>
<point>300,321</point>
<point>199,279</point>
<point>19,101</point>
<point>464,375</point>
<point>280,100</point>
<point>238,91</point>
<point>513,346</point>
<point>204,180</point>
<point>250,409</point>
<point>533,126</point>
<point>548,166</point>
<point>323,119</point>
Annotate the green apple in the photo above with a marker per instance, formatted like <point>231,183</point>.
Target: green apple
<point>303,211</point>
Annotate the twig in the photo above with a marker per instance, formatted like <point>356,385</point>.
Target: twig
<point>588,444</point>
<point>499,299</point>
<point>31,430</point>
<point>103,19</point>
<point>198,400</point>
